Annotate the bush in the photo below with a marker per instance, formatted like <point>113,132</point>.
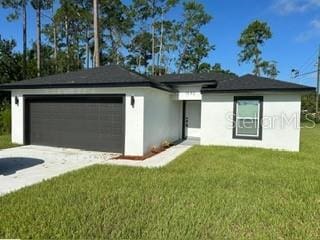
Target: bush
<point>165,144</point>
<point>313,117</point>
<point>5,118</point>
<point>308,103</point>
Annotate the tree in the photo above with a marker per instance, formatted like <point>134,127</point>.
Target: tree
<point>117,25</point>
<point>143,11</point>
<point>166,32</point>
<point>218,69</point>
<point>19,9</point>
<point>194,52</point>
<point>251,41</point>
<point>207,68</point>
<point>153,11</point>
<point>96,33</point>
<point>86,15</point>
<point>50,30</point>
<point>140,51</point>
<point>10,62</point>
<point>69,31</point>
<point>308,102</point>
<point>204,68</point>
<point>270,69</point>
<point>39,5</point>
<point>194,17</point>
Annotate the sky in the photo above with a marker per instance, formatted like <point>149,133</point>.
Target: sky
<point>295,25</point>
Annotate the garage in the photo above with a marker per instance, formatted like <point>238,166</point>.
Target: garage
<point>86,122</point>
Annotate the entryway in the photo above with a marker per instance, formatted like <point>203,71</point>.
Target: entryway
<point>192,119</point>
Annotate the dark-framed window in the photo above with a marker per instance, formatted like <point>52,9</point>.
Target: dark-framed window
<point>247,117</point>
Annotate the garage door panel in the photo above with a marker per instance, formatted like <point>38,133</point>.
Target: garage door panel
<point>86,123</point>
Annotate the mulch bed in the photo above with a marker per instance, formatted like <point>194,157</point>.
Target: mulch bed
<point>144,157</point>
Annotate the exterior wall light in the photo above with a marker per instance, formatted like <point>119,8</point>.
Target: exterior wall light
<point>132,101</point>
<point>16,100</point>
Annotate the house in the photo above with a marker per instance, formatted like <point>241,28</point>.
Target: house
<point>113,109</point>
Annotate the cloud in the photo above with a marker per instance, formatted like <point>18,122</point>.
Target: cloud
<point>286,7</point>
<point>315,23</point>
<point>311,32</point>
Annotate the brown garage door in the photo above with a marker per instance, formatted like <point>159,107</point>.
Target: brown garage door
<point>90,123</point>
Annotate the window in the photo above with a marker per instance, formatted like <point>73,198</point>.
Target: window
<point>247,117</point>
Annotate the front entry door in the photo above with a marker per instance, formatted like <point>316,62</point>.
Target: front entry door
<point>192,119</point>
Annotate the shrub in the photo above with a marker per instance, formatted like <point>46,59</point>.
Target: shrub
<point>308,103</point>
<point>314,117</point>
<point>5,118</point>
<point>154,149</point>
<point>165,144</point>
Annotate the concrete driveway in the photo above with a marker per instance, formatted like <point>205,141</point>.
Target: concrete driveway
<point>27,165</point>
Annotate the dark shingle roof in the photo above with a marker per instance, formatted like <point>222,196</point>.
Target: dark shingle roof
<point>117,76</point>
<point>190,78</point>
<point>106,76</point>
<point>253,83</point>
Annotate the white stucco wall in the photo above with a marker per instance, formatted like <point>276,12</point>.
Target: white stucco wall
<point>157,116</point>
<point>162,118</point>
<point>134,123</point>
<point>17,116</point>
<point>217,121</point>
<point>189,92</point>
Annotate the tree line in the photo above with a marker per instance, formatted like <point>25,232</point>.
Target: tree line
<point>142,35</point>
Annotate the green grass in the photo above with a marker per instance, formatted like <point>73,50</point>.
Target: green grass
<point>207,193</point>
<point>5,141</point>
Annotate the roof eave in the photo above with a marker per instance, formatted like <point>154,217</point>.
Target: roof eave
<point>188,82</point>
<point>85,85</point>
<point>308,89</point>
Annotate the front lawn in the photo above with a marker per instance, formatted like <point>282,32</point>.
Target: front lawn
<point>5,141</point>
<point>207,193</point>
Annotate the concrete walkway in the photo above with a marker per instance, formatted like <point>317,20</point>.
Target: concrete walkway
<point>160,159</point>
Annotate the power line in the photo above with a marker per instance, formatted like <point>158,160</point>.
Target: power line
<point>311,67</point>
<point>305,81</point>
<point>295,73</point>
<point>303,74</point>
<point>308,65</point>
<point>310,61</point>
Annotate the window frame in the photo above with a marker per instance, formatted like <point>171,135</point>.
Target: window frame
<point>235,111</point>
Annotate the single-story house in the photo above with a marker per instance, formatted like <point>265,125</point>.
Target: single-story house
<point>114,109</point>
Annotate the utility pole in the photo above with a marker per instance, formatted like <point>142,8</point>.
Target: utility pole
<point>295,73</point>
<point>318,83</point>
<point>96,33</point>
